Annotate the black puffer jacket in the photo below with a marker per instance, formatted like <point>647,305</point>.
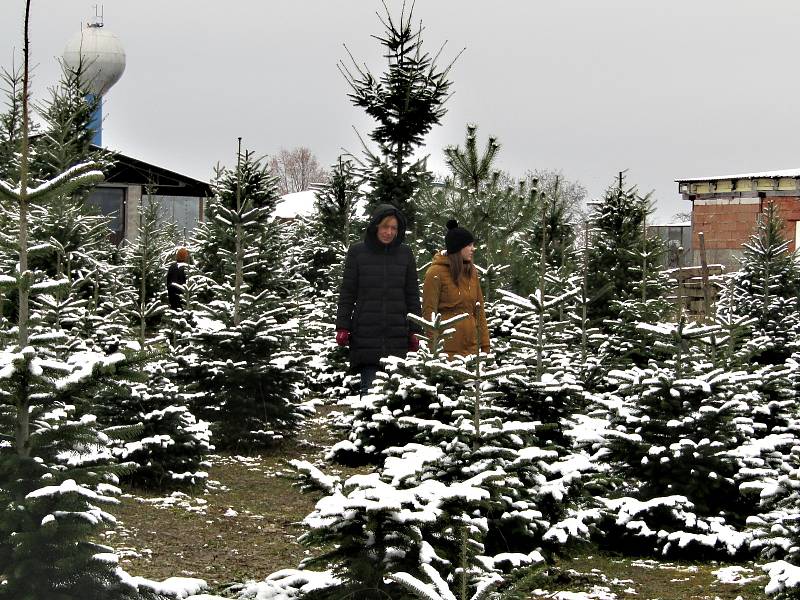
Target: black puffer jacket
<point>176,275</point>
<point>379,288</point>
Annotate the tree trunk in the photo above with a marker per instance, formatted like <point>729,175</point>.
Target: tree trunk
<point>237,292</point>
<point>542,273</point>
<point>23,405</point>
<point>145,242</point>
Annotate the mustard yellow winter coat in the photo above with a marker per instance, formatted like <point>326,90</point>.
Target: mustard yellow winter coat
<point>466,297</point>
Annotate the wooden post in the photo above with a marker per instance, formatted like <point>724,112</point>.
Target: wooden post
<point>679,279</point>
<point>704,272</point>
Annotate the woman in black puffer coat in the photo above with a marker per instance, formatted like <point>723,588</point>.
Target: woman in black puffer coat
<point>379,288</point>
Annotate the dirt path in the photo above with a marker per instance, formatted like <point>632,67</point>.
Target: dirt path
<point>244,526</point>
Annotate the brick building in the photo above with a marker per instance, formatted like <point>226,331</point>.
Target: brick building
<point>725,209</point>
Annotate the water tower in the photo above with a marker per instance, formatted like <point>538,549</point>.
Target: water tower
<point>99,55</point>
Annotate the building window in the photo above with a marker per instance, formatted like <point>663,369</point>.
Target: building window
<point>110,202</point>
<point>796,235</point>
<point>182,211</point>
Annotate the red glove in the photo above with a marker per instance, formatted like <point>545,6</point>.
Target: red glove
<point>343,337</point>
<point>413,342</point>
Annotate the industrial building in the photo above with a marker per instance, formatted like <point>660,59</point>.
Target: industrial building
<point>181,199</point>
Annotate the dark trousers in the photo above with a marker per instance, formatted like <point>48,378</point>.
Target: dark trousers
<point>367,377</point>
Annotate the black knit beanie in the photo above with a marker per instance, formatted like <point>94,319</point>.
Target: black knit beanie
<point>457,237</point>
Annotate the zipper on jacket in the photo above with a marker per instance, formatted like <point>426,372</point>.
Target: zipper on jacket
<point>383,301</point>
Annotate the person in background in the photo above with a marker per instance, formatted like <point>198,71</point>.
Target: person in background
<point>176,279</point>
<point>451,288</point>
<point>379,288</point>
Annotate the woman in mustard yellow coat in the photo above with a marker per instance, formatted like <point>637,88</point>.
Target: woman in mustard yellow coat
<point>451,288</point>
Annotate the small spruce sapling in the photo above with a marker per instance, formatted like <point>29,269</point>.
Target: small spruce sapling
<point>417,385</point>
<point>767,286</point>
<point>238,358</point>
<point>145,258</point>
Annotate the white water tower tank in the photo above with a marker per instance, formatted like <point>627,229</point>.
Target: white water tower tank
<point>100,55</point>
<point>103,57</point>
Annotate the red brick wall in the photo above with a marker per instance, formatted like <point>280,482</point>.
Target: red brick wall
<point>725,226</point>
<point>789,211</point>
<point>728,226</point>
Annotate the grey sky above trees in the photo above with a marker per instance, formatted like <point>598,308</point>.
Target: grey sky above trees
<point>590,87</point>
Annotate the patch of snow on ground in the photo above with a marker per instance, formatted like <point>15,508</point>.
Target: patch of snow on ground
<point>180,588</point>
<point>734,575</point>
<point>212,485</point>
<point>177,500</point>
<point>287,584</point>
<point>251,463</point>
<point>654,564</point>
<point>782,576</point>
<point>597,593</point>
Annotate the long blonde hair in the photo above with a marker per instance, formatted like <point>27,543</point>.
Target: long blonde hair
<point>458,267</point>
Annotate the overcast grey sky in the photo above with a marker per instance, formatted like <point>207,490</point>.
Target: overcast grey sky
<point>664,89</point>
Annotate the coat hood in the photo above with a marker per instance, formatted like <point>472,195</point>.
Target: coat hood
<point>440,258</point>
<point>381,212</point>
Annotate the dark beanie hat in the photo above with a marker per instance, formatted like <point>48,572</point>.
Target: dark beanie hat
<point>457,237</point>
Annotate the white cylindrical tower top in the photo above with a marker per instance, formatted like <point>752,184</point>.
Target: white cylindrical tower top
<point>102,55</point>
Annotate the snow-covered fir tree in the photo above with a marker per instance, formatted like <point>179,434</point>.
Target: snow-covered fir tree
<point>766,288</point>
<point>146,259</point>
<point>171,445</point>
<point>57,476</point>
<point>315,251</point>
<point>406,101</point>
<point>472,495</point>
<point>68,240</point>
<point>615,263</point>
<point>238,358</point>
<point>92,304</point>
<point>549,389</point>
<point>671,440</point>
<point>53,460</point>
<point>418,385</point>
<point>647,303</point>
<point>482,199</point>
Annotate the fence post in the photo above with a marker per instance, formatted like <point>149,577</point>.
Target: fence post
<point>704,273</point>
<point>679,281</point>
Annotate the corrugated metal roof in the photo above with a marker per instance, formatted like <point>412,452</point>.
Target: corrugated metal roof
<point>762,174</point>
